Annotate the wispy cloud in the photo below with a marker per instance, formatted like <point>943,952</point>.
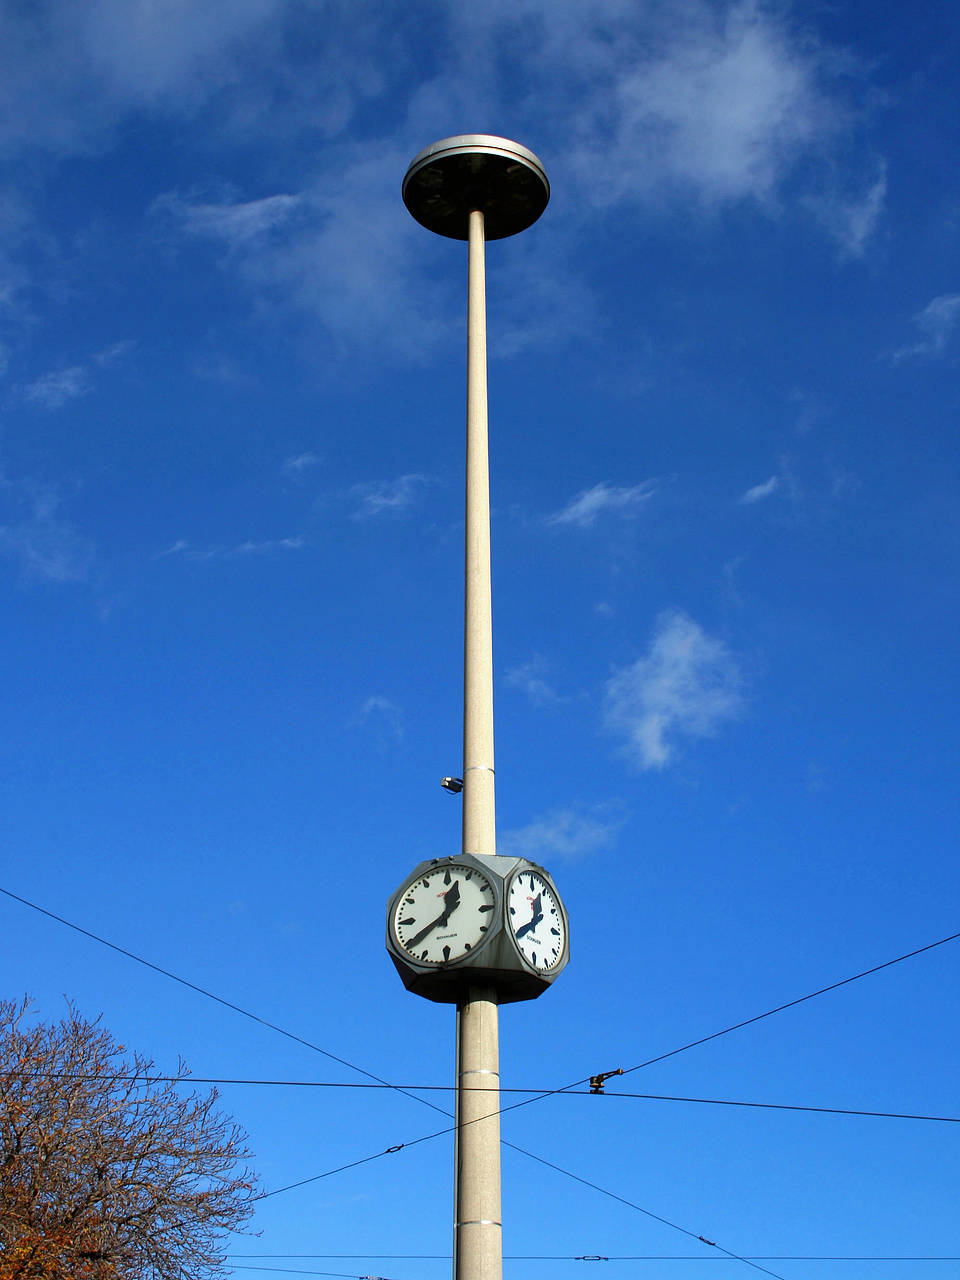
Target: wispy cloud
<point>680,104</point>
<point>109,356</point>
<point>851,218</point>
<point>45,545</point>
<point>54,390</point>
<point>687,686</point>
<point>58,387</point>
<point>299,463</point>
<point>385,716</point>
<point>529,678</point>
<point>760,491</point>
<point>562,833</point>
<point>936,322</point>
<point>250,547</point>
<point>235,223</point>
<point>388,497</point>
<point>675,105</point>
<point>584,509</point>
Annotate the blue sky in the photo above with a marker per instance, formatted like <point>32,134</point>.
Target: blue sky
<point>723,388</point>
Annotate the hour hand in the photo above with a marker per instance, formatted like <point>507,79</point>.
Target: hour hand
<point>451,899</point>
<point>534,919</point>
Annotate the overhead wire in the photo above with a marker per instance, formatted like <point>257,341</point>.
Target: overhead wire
<point>549,1164</point>
<point>449,1088</point>
<point>613,1257</point>
<point>514,1106</point>
<point>406,1090</point>
<point>791,1004</point>
<point>211,995</point>
<point>370,1075</point>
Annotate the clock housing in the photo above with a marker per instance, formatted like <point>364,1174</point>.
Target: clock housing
<point>449,927</point>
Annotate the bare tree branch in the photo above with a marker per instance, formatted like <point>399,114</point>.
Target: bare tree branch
<point>107,1173</point>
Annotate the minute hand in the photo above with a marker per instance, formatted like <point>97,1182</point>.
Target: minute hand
<point>451,901</point>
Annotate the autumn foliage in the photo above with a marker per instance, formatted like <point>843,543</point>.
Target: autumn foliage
<point>106,1172</point>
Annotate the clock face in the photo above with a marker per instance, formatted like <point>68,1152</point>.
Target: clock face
<point>536,921</point>
<point>445,913</point>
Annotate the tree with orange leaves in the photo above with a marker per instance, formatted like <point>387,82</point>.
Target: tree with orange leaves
<point>106,1171</point>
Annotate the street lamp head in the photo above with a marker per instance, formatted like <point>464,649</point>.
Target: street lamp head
<point>451,178</point>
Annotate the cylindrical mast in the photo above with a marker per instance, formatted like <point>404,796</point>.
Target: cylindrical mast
<point>477,187</point>
<point>478,1247</point>
<point>479,826</point>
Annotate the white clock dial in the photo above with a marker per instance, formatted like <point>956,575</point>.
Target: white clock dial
<point>444,913</point>
<point>535,918</point>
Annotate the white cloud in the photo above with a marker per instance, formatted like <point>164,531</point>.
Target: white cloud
<point>250,547</point>
<point>852,218</point>
<point>45,545</point>
<point>341,252</point>
<point>300,462</point>
<point>70,72</point>
<point>759,491</point>
<point>270,544</point>
<point>721,109</point>
<point>166,49</point>
<point>936,323</point>
<point>385,715</point>
<point>692,102</point>
<point>561,833</point>
<point>175,548</point>
<point>529,677</point>
<point>682,103</point>
<point>114,352</point>
<point>236,223</point>
<point>388,497</point>
<point>54,390</point>
<point>687,685</point>
<point>583,510</point>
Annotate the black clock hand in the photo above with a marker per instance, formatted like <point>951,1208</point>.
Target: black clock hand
<point>531,924</point>
<point>451,900</point>
<point>535,918</point>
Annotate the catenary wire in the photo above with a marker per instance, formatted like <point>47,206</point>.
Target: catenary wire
<point>608,1257</point>
<point>291,1271</point>
<point>449,1088</point>
<point>549,1164</point>
<point>791,1004</point>
<point>514,1106</point>
<point>211,995</point>
<point>538,1096</point>
<point>300,1040</point>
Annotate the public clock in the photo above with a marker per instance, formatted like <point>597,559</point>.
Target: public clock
<point>444,913</point>
<point>536,920</point>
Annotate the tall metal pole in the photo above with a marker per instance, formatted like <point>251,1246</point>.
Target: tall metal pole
<point>477,187</point>
<point>477,1233</point>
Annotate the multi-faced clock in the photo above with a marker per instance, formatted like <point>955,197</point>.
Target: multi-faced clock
<point>477,920</point>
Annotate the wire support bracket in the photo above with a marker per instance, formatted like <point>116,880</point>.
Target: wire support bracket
<point>598,1081</point>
